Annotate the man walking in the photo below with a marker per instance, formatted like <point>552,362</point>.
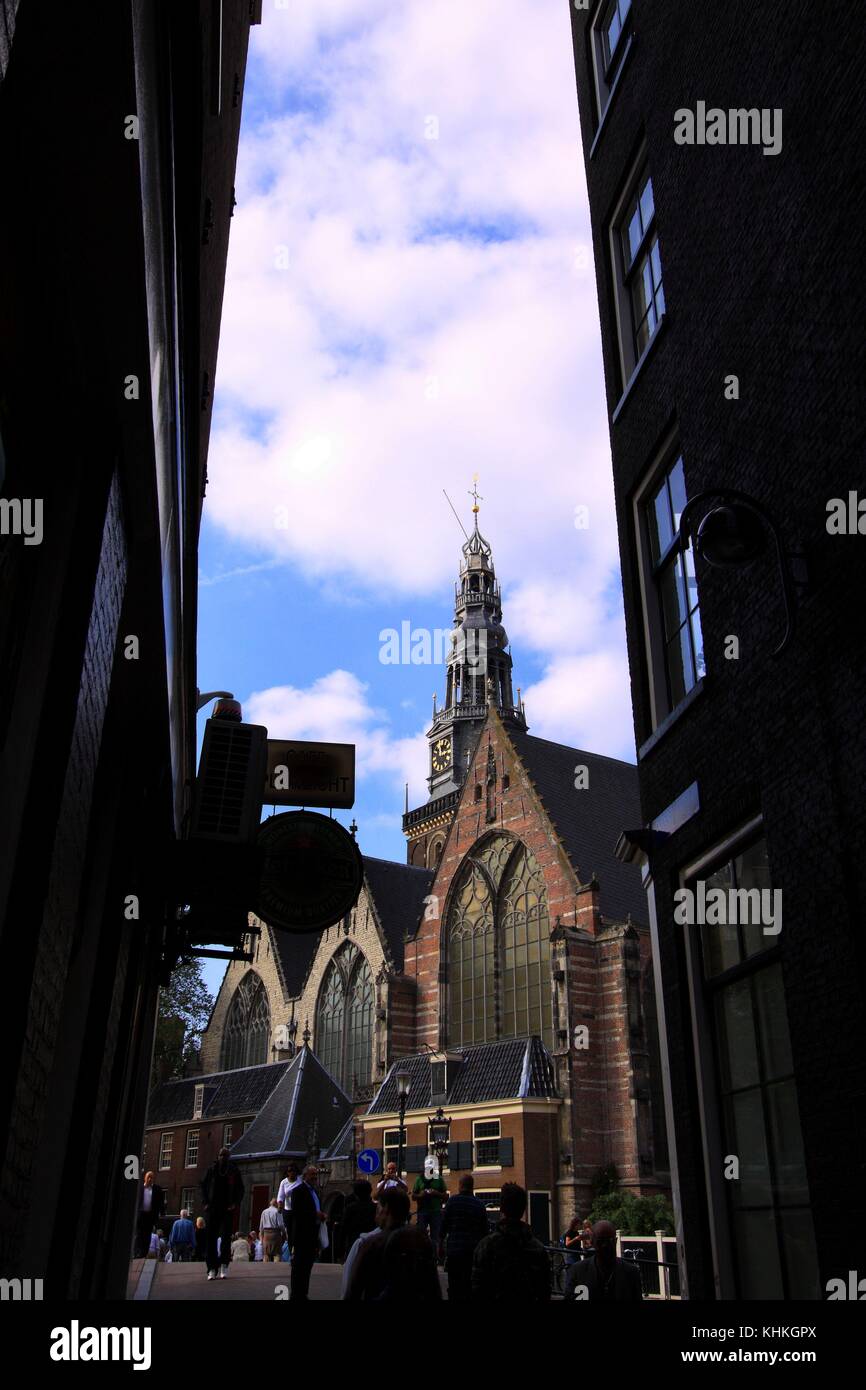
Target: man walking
<point>222,1191</point>
<point>181,1242</point>
<point>284,1198</point>
<point>604,1278</point>
<point>151,1200</point>
<point>464,1226</point>
<point>307,1217</point>
<point>272,1231</point>
<point>510,1264</point>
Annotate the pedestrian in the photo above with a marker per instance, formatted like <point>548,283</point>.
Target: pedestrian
<point>240,1247</point>
<point>181,1241</point>
<point>394,1263</point>
<point>430,1194</point>
<point>273,1231</point>
<point>151,1200</point>
<point>391,1179</point>
<point>359,1216</point>
<point>586,1236</point>
<point>307,1218</point>
<point>572,1242</point>
<point>222,1191</point>
<point>464,1225</point>
<point>510,1263</point>
<point>256,1249</point>
<point>284,1198</point>
<point>603,1277</point>
<point>200,1238</point>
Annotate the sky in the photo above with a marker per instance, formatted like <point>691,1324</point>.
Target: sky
<point>410,301</point>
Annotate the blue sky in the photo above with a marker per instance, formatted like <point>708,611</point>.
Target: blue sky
<point>409,301</point>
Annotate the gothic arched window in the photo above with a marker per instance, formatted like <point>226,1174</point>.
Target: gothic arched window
<point>498,936</point>
<point>344,1019</point>
<point>247,1033</point>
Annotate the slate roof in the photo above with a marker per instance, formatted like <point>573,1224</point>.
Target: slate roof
<point>306,1093</point>
<point>397,891</point>
<point>590,822</point>
<point>511,1068</point>
<point>241,1092</point>
<point>344,1144</point>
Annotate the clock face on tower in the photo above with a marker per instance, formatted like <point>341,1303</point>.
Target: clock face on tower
<point>440,759</point>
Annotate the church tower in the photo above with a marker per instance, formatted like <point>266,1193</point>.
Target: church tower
<point>478,673</point>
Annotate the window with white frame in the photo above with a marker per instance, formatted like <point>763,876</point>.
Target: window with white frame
<point>637,270</point>
<point>748,1056</point>
<point>198,1103</point>
<point>610,36</point>
<point>391,1146</point>
<point>166,1144</point>
<point>188,1197</point>
<point>191,1159</point>
<point>227,1136</point>
<point>675,644</point>
<point>485,1142</point>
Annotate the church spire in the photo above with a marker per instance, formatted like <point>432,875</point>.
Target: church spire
<point>478,667</point>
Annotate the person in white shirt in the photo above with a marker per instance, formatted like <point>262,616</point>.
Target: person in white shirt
<point>290,1182</point>
<point>272,1231</point>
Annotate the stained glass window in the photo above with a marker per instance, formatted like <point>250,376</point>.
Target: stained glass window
<point>344,1019</point>
<point>498,934</point>
<point>247,1034</point>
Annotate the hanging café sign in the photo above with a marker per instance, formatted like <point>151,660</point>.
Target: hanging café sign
<point>310,774</point>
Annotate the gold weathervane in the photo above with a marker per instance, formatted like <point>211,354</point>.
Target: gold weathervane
<point>473,492</point>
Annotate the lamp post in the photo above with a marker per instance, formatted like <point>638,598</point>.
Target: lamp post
<point>440,1129</point>
<point>404,1081</point>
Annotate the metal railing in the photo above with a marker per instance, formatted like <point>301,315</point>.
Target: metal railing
<point>659,1289</point>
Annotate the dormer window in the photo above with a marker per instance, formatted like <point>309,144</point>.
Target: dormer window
<point>443,1071</point>
<point>198,1103</point>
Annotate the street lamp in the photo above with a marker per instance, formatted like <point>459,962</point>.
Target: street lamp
<point>440,1129</point>
<point>733,535</point>
<point>404,1081</point>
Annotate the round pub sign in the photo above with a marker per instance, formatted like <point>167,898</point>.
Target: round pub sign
<point>311,871</point>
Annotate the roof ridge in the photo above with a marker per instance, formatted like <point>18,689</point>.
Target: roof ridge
<point>214,1075</point>
<point>397,864</point>
<point>569,748</point>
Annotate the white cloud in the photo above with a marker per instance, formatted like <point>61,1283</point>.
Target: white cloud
<point>585,702</point>
<point>335,709</point>
<point>406,345</point>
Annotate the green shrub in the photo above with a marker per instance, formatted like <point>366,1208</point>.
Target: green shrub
<point>634,1216</point>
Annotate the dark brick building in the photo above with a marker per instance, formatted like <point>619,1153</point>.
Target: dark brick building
<point>730,291</point>
<point>118,137</point>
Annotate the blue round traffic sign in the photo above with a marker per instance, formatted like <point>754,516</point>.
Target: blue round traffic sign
<point>368,1161</point>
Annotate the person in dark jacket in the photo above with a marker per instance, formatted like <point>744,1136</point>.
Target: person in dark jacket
<point>222,1189</point>
<point>151,1201</point>
<point>396,1262</point>
<point>603,1278</point>
<point>510,1264</point>
<point>307,1217</point>
<point>359,1216</point>
<point>464,1225</point>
